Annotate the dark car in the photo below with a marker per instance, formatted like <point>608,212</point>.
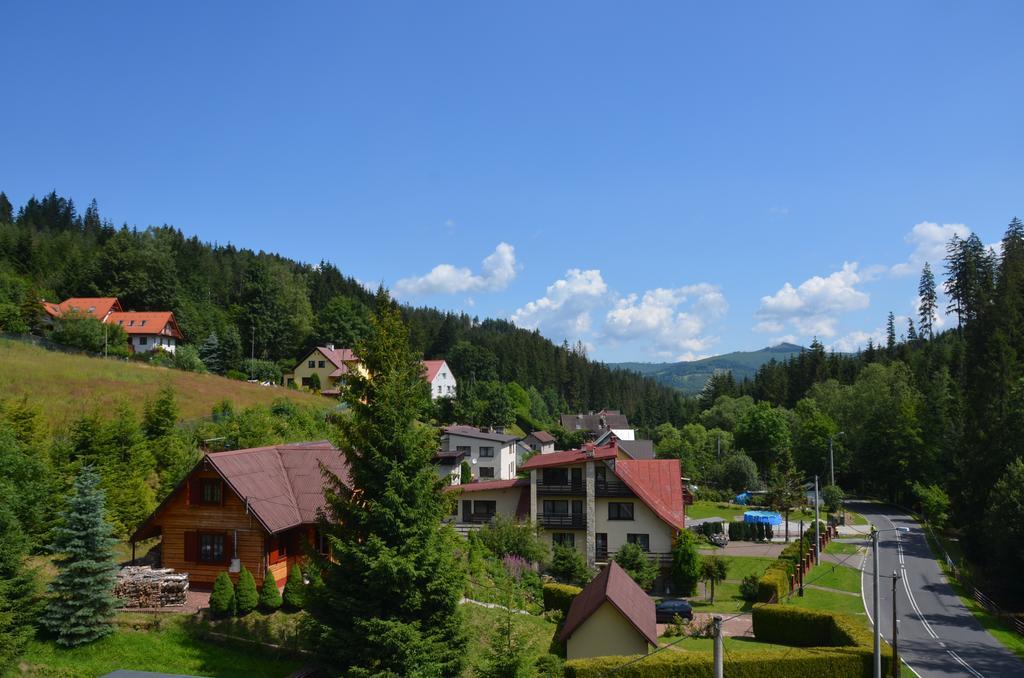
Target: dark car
<point>666,610</point>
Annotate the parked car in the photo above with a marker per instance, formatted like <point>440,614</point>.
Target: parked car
<point>666,610</point>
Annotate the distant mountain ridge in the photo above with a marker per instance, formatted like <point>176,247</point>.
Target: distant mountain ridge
<point>690,376</point>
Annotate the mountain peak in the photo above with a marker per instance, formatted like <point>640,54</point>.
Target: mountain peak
<point>785,347</point>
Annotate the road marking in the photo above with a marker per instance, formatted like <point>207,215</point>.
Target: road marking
<point>964,664</point>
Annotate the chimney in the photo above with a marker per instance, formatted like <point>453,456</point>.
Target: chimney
<point>330,347</point>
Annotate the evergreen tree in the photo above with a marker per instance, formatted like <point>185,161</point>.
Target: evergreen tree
<point>270,597</point>
<point>6,210</point>
<point>210,353</point>
<point>294,596</point>
<point>222,598</point>
<point>911,330</point>
<point>928,304</point>
<point>633,559</point>
<point>160,415</point>
<point>18,585</point>
<point>388,598</point>
<point>890,334</point>
<point>246,596</point>
<point>685,564</point>
<point>81,605</point>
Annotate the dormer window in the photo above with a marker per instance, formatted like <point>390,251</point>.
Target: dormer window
<point>142,323</point>
<point>131,323</point>
<point>91,309</point>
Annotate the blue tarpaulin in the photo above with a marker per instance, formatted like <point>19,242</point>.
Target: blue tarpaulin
<point>742,498</point>
<point>769,517</point>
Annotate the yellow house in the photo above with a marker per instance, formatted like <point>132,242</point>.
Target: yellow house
<point>329,364</point>
<point>611,616</point>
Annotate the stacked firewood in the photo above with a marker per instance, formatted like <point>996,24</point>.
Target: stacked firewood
<point>146,587</point>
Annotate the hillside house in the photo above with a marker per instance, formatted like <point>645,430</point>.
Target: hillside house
<point>594,424</point>
<point>254,507</point>
<point>146,330</point>
<point>611,616</point>
<point>328,364</point>
<point>491,456</point>
<point>540,441</point>
<point>441,380</point>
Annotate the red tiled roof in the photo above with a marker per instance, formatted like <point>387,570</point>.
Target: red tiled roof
<point>146,322</point>
<point>658,482</point>
<point>339,357</point>
<point>567,457</point>
<point>432,368</point>
<point>96,307</point>
<point>490,485</point>
<point>618,588</point>
<point>282,484</point>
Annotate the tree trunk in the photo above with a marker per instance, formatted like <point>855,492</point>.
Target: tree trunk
<point>787,526</point>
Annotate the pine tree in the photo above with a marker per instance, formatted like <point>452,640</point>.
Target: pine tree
<point>18,586</point>
<point>6,210</point>
<point>160,415</point>
<point>246,596</point>
<point>81,605</point>
<point>388,599</point>
<point>911,330</point>
<point>222,599</point>
<point>928,305</point>
<point>294,596</point>
<point>270,597</point>
<point>890,334</point>
<point>210,353</point>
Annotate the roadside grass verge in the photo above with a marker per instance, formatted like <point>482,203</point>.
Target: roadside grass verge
<point>706,646</point>
<point>168,645</point>
<point>838,548</point>
<point>827,600</point>
<point>839,577</point>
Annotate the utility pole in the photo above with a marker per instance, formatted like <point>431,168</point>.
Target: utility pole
<point>831,463</point>
<point>817,516</point>
<point>895,629</point>
<point>719,448</point>
<point>719,671</point>
<point>877,660</point>
<point>252,354</point>
<point>800,538</point>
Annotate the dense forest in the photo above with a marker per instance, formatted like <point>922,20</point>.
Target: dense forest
<point>238,303</point>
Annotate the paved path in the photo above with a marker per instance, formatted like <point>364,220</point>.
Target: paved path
<point>734,625</point>
<point>938,635</point>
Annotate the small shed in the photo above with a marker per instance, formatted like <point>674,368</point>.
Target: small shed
<point>611,616</point>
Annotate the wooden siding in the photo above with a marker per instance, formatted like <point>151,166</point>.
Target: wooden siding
<point>180,516</point>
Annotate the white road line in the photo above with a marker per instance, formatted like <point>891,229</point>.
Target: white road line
<point>964,664</point>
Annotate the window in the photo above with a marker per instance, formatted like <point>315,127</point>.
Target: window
<point>278,549</point>
<point>210,491</point>
<point>311,364</point>
<point>485,508</point>
<point>131,323</point>
<point>486,471</point>
<point>486,451</point>
<point>305,381</point>
<point>620,510</point>
<point>563,539</point>
<point>643,540</point>
<point>463,449</point>
<point>142,341</point>
<point>556,476</point>
<point>211,548</point>
<point>142,323</point>
<point>322,545</point>
<point>558,507</point>
<point>439,389</point>
<point>321,364</point>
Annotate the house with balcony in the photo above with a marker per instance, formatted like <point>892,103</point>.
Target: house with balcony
<point>146,330</point>
<point>599,498</point>
<point>490,455</point>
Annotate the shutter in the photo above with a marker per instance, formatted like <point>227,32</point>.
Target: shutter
<point>191,547</point>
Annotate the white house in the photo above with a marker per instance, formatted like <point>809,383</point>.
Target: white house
<point>146,330</point>
<point>540,441</point>
<point>441,380</point>
<point>491,456</point>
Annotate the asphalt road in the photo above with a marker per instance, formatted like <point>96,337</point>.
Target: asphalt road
<point>938,636</point>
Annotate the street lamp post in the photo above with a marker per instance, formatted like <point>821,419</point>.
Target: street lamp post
<point>874,596</point>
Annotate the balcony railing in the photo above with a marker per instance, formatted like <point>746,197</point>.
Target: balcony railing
<point>565,521</point>
<point>612,487</point>
<point>479,518</point>
<point>602,556</point>
<point>561,488</point>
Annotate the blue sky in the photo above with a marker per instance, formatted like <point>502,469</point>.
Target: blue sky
<point>660,180</point>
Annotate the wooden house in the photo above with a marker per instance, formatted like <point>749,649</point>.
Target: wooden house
<point>255,507</point>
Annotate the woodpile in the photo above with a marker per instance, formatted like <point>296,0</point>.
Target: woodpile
<point>145,587</point>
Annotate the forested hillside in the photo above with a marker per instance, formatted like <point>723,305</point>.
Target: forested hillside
<point>231,302</point>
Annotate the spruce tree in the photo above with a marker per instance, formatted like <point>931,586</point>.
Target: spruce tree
<point>18,585</point>
<point>210,353</point>
<point>928,305</point>
<point>246,596</point>
<point>160,415</point>
<point>6,210</point>
<point>294,596</point>
<point>222,599</point>
<point>270,597</point>
<point>81,605</point>
<point>388,599</point>
<point>890,334</point>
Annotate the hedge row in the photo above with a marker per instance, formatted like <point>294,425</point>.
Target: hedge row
<point>559,596</point>
<point>708,529</point>
<point>773,585</point>
<point>742,531</point>
<point>832,662</point>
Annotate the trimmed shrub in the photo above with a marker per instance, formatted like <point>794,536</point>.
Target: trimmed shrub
<point>749,587</point>
<point>773,585</point>
<point>559,596</point>
<point>270,597</point>
<point>246,597</point>
<point>569,566</point>
<point>222,599</point>
<point>787,625</point>
<point>685,564</point>
<point>633,559</point>
<point>294,598</point>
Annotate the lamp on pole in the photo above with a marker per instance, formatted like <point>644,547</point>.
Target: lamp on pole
<point>877,662</point>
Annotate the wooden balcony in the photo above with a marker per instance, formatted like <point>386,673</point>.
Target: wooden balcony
<point>569,488</point>
<point>612,487</point>
<point>563,521</point>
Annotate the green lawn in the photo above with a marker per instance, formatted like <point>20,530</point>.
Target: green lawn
<point>710,509</point>
<point>170,647</point>
<point>827,600</point>
<point>742,566</point>
<point>727,599</point>
<point>481,622</point>
<point>838,548</point>
<point>856,519</point>
<point>838,577</point>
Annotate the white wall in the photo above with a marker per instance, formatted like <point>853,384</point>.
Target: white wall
<point>152,341</point>
<point>443,385</point>
<point>645,521</point>
<point>503,462</point>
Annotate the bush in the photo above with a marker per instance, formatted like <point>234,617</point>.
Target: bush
<point>633,559</point>
<point>82,331</point>
<point>261,370</point>
<point>314,382</point>
<point>569,566</point>
<point>222,599</point>
<point>773,585</point>
<point>749,587</point>
<point>505,537</point>
<point>559,597</point>
<point>246,597</point>
<point>270,597</point>
<point>465,473</point>
<point>238,376</point>
<point>186,358</point>
<point>294,597</point>
<point>685,564</point>
<point>548,665</point>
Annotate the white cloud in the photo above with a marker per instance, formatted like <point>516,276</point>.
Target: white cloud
<point>672,321</point>
<point>564,311</point>
<point>497,271</point>
<point>813,307</point>
<point>858,340</point>
<point>929,240</point>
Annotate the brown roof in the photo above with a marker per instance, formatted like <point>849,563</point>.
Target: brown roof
<point>594,422</point>
<point>542,437</point>
<point>613,585</point>
<point>146,322</point>
<point>658,483</point>
<point>567,457</point>
<point>474,432</point>
<point>638,449</point>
